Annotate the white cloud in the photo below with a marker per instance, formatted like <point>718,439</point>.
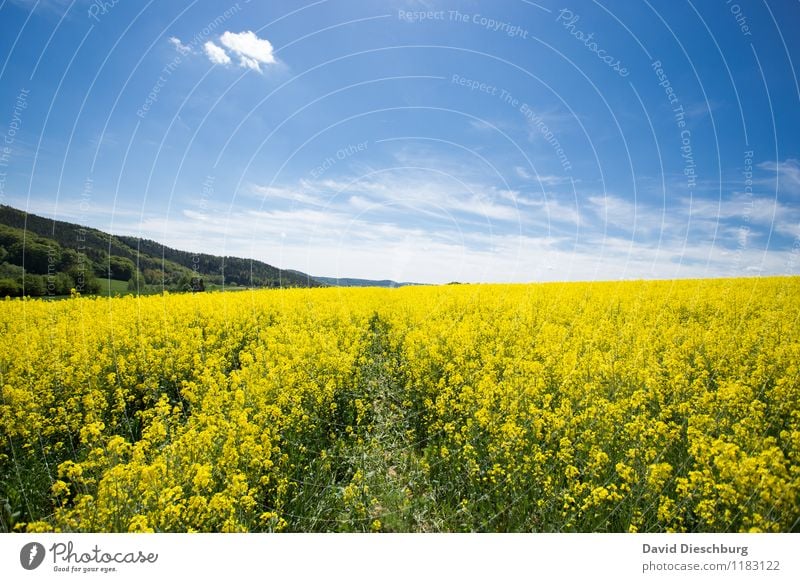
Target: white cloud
<point>687,238</point>
<point>787,172</point>
<point>251,50</point>
<point>249,63</point>
<point>184,49</point>
<point>434,226</point>
<point>302,194</point>
<point>551,210</point>
<point>614,210</point>
<point>216,54</point>
<point>343,240</point>
<point>338,243</point>
<point>522,172</point>
<point>482,125</point>
<point>543,179</point>
<point>436,196</point>
<point>741,208</point>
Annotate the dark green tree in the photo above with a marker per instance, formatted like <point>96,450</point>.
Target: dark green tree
<point>136,283</point>
<point>84,281</point>
<point>10,288</point>
<point>120,268</point>
<point>36,257</point>
<point>34,285</point>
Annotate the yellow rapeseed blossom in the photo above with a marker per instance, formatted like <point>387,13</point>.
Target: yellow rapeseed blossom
<point>632,406</point>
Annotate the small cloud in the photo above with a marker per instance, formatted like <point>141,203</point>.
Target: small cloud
<point>614,210</point>
<point>788,173</point>
<point>184,49</point>
<point>216,54</point>
<point>360,203</point>
<point>551,180</point>
<point>251,50</point>
<point>299,195</point>
<point>481,125</point>
<point>700,109</point>
<point>543,179</point>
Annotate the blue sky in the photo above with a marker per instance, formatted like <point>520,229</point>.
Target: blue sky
<point>418,140</point>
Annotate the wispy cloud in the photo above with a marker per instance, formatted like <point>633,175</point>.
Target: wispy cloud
<point>614,210</point>
<point>787,173</point>
<point>543,211</point>
<point>340,243</point>
<point>429,191</point>
<point>431,226</point>
<point>543,179</point>
<point>304,193</point>
<point>359,228</point>
<point>744,210</point>
<point>184,49</point>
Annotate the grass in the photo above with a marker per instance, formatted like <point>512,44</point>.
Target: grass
<point>112,287</point>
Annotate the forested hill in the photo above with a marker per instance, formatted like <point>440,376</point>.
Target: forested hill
<point>64,255</point>
<point>352,282</point>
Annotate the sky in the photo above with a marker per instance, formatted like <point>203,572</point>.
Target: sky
<point>416,140</point>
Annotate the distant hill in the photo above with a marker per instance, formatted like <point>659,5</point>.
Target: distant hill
<point>58,256</point>
<point>350,282</point>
